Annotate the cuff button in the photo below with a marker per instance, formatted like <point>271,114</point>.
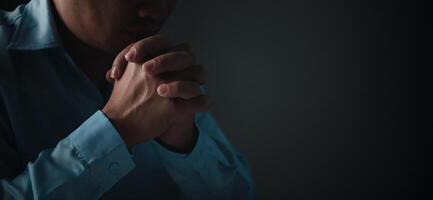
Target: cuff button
<point>114,167</point>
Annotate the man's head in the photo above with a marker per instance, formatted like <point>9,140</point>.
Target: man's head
<point>110,25</point>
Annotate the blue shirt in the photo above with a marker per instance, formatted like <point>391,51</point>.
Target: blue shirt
<point>55,143</point>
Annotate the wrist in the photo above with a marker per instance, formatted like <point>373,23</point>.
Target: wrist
<point>182,140</point>
<point>119,125</point>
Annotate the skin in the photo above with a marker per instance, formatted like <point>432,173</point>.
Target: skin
<point>156,84</point>
<point>111,25</point>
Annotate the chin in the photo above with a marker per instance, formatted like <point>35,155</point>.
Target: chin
<point>113,46</point>
<point>116,44</point>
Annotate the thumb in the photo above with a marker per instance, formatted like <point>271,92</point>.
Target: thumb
<point>119,64</point>
<point>108,77</point>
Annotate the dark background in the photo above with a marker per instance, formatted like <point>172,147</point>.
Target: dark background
<point>322,97</point>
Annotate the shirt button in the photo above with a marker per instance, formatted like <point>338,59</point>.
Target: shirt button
<point>114,167</point>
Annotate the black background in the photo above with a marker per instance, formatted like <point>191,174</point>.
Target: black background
<point>10,4</point>
<point>323,97</point>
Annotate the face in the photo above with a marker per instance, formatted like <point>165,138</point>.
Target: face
<point>111,25</point>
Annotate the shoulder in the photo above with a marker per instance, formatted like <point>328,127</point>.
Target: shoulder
<point>8,23</point>
<point>11,17</point>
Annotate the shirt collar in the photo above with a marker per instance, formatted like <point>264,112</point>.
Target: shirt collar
<point>36,29</point>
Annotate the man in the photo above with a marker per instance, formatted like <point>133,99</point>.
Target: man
<point>66,133</point>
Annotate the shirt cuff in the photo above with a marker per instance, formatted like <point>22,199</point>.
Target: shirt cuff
<point>101,148</point>
<point>205,151</point>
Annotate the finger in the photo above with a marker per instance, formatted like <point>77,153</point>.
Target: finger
<point>169,62</point>
<point>108,77</point>
<point>119,64</point>
<point>147,47</point>
<point>201,103</point>
<point>179,89</point>
<point>194,73</point>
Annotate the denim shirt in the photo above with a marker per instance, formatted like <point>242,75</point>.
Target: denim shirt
<point>55,143</point>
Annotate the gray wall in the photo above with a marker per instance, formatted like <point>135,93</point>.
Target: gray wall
<point>313,92</point>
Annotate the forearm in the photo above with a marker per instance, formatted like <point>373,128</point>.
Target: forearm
<point>181,137</point>
<point>82,166</point>
<point>213,170</point>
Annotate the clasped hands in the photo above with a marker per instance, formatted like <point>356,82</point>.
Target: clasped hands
<point>156,94</point>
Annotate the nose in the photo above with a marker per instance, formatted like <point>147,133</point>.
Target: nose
<point>156,9</point>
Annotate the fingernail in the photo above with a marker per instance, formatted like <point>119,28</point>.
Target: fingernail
<point>162,89</point>
<point>131,54</point>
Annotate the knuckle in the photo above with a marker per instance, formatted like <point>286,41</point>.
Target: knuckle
<point>158,61</point>
<point>149,65</point>
<point>139,48</point>
<point>138,45</point>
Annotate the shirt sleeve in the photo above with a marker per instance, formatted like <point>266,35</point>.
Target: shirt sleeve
<point>84,165</point>
<point>213,170</point>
